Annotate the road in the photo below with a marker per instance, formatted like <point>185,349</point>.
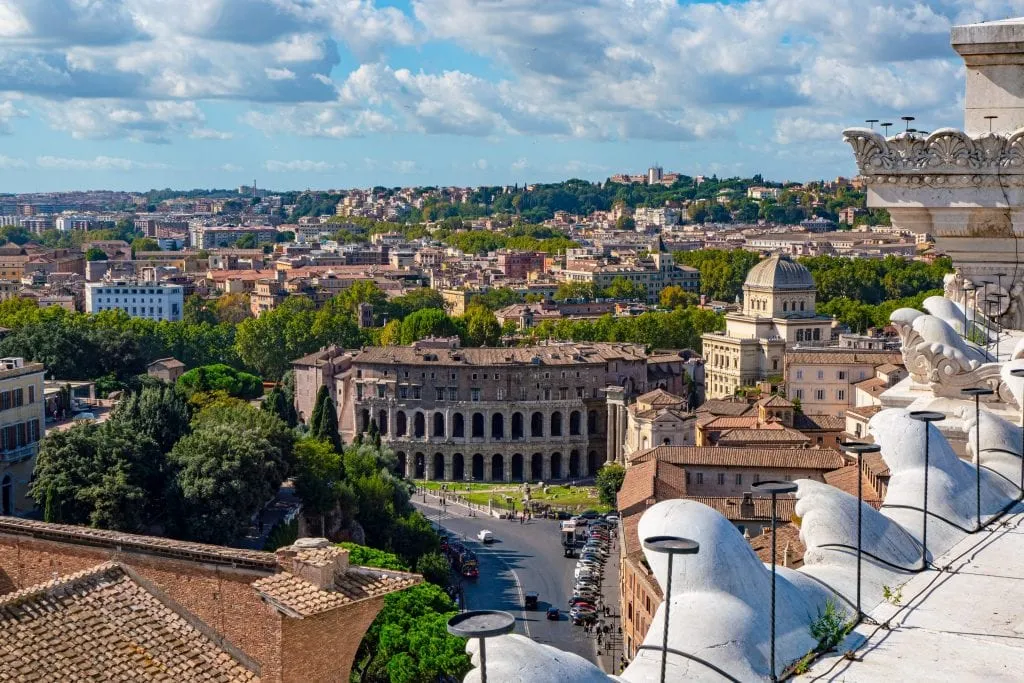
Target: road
<point>524,557</point>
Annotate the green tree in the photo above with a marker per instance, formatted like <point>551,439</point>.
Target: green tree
<point>675,296</point>
<point>621,288</point>
<point>625,223</point>
<point>159,412</point>
<point>575,290</point>
<point>427,322</point>
<point>608,481</point>
<point>412,301</point>
<point>232,308</point>
<point>434,568</point>
<point>482,328</point>
<point>323,424</point>
<point>318,477</point>
<point>140,244</point>
<point>220,377</point>
<point>276,402</point>
<point>95,254</point>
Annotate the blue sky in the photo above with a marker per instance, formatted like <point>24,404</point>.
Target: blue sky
<point>134,94</point>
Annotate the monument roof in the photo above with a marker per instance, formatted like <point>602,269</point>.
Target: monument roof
<point>779,272</point>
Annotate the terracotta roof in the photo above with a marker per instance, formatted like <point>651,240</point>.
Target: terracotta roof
<point>786,536</point>
<point>766,434</point>
<point>873,385</point>
<point>729,422</point>
<point>101,625</point>
<point>720,407</point>
<point>548,355</point>
<point>844,357</point>
<point>303,598</point>
<point>660,398</point>
<point>845,479</point>
<point>826,423</point>
<point>720,456</point>
<point>633,551</point>
<point>200,552</point>
<point>888,368</point>
<point>775,401</point>
<point>875,465</point>
<point>651,481</point>
<point>865,412</point>
<point>731,507</point>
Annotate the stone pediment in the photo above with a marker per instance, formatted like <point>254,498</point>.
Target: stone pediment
<point>945,152</point>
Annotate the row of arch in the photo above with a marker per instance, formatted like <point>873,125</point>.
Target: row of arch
<point>417,427</point>
<point>480,467</point>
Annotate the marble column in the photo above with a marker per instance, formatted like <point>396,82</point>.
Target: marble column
<point>546,468</point>
<point>410,466</point>
<point>448,467</point>
<point>610,426</point>
<point>621,433</point>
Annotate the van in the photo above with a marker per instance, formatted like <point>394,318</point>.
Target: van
<point>485,537</point>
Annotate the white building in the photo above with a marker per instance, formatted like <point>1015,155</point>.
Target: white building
<point>155,301</point>
<point>66,223</point>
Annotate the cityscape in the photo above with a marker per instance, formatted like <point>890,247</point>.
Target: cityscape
<point>555,411</point>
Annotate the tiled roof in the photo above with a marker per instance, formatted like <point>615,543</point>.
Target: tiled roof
<point>720,407</point>
<point>786,536</point>
<point>632,549</point>
<point>876,465</point>
<point>844,357</point>
<point>845,479</point>
<point>827,423</point>
<point>865,412</point>
<point>548,355</point>
<point>200,552</point>
<point>888,368</point>
<point>652,480</point>
<point>660,398</point>
<point>763,435</point>
<point>775,401</point>
<point>731,507</point>
<point>729,422</point>
<point>101,625</point>
<point>720,456</point>
<point>298,596</point>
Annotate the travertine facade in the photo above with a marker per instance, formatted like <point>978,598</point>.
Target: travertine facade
<point>22,425</point>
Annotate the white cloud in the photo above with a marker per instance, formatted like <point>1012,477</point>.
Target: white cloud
<point>405,166</point>
<point>106,119</point>
<point>230,168</point>
<point>99,163</point>
<point>210,134</point>
<point>520,164</point>
<point>9,111</point>
<point>279,74</point>
<point>481,164</point>
<point>11,162</point>
<point>298,166</point>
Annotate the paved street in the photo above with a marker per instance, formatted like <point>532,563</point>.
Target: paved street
<point>524,557</point>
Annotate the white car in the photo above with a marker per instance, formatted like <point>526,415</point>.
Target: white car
<point>485,536</point>
<point>81,417</point>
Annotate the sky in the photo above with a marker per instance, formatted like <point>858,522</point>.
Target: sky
<point>137,94</point>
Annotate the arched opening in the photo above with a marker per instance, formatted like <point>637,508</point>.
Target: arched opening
<point>382,421</point>
<point>591,463</point>
<point>592,422</point>
<point>517,467</point>
<point>438,424</point>
<point>401,424</point>
<point>458,467</point>
<point>458,426</point>
<point>517,426</point>
<point>364,420</point>
<point>7,496</point>
<point>497,426</point>
<point>478,426</point>
<point>556,423</point>
<point>497,467</point>
<point>438,466</point>
<point>419,426</point>
<point>536,425</point>
<point>478,467</point>
<point>574,423</point>
<point>421,466</point>
<point>400,456</point>
<point>556,465</point>
<point>574,464</point>
<point>643,442</point>
<point>536,467</point>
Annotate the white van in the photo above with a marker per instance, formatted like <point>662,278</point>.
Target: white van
<point>485,536</point>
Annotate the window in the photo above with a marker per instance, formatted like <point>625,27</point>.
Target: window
<point>19,397</point>
<point>416,393</point>
<point>32,393</point>
<point>407,374</point>
<point>497,377</point>
<point>841,374</point>
<point>403,392</point>
<point>474,375</point>
<point>800,394</point>
<point>453,394</point>
<point>721,478</point>
<point>563,393</point>
<point>821,374</point>
<point>438,393</point>
<point>700,478</point>
<point>739,479</point>
<point>840,394</point>
<point>819,394</point>
<point>380,391</point>
<point>474,394</point>
<point>687,478</point>
<point>799,374</point>
<point>579,392</point>
<point>359,391</point>
<point>547,394</point>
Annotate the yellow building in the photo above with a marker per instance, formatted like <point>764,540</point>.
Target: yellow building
<point>22,425</point>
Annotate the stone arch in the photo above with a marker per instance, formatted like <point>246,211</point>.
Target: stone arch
<point>7,496</point>
<point>438,424</point>
<point>592,422</point>
<point>438,469</point>
<point>402,462</point>
<point>497,467</point>
<point>478,426</point>
<point>785,306</point>
<point>401,423</point>
<point>591,463</point>
<point>574,464</point>
<point>419,425</point>
<point>537,425</point>
<point>478,467</point>
<point>517,467</point>
<point>643,442</point>
<point>574,423</point>
<point>497,426</point>
<point>556,423</point>
<point>458,467</point>
<point>364,420</point>
<point>458,426</point>
<point>536,467</point>
<point>420,461</point>
<point>517,426</point>
<point>382,421</point>
<point>556,465</point>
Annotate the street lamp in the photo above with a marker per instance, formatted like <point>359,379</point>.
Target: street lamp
<point>482,624</point>
<point>977,393</point>
<point>994,301</point>
<point>671,546</point>
<point>1019,373</point>
<point>859,449</point>
<point>925,416</point>
<point>774,488</point>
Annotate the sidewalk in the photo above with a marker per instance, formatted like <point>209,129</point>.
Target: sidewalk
<point>610,650</point>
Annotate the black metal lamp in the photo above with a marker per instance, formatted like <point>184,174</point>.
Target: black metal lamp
<point>925,416</point>
<point>481,624</point>
<point>774,488</point>
<point>859,449</point>
<point>671,546</point>
<point>965,289</point>
<point>1019,373</point>
<point>977,393</point>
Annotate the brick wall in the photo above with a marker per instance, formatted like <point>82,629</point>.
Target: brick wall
<point>304,643</point>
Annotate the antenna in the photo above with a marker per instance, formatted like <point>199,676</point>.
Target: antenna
<point>990,118</point>
<point>907,119</point>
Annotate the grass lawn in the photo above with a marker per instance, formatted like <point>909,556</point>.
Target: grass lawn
<point>584,497</point>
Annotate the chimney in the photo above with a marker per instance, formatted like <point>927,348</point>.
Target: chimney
<point>314,560</point>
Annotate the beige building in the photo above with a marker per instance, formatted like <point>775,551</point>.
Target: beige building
<point>778,313</point>
<point>22,425</point>
<point>827,381</point>
<point>658,418</point>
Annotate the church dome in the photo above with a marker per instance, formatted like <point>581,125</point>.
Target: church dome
<point>779,272</point>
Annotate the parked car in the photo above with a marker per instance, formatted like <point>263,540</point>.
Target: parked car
<point>485,536</point>
<point>82,417</point>
<point>554,614</point>
<point>590,514</point>
<point>612,517</point>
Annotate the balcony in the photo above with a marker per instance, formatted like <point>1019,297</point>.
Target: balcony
<point>19,454</point>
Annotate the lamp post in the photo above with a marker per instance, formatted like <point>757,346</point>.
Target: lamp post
<point>671,546</point>
<point>994,301</point>
<point>965,289</point>
<point>482,624</point>
<point>1019,373</point>
<point>925,416</point>
<point>774,488</point>
<point>859,449</point>
<point>977,393</point>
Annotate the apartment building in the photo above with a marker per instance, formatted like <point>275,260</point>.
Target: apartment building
<point>207,237</point>
<point>654,274</point>
<point>826,381</point>
<point>152,300</point>
<point>22,425</point>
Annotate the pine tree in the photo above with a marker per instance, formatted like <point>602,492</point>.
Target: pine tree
<point>324,423</point>
<point>50,513</point>
<point>318,410</point>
